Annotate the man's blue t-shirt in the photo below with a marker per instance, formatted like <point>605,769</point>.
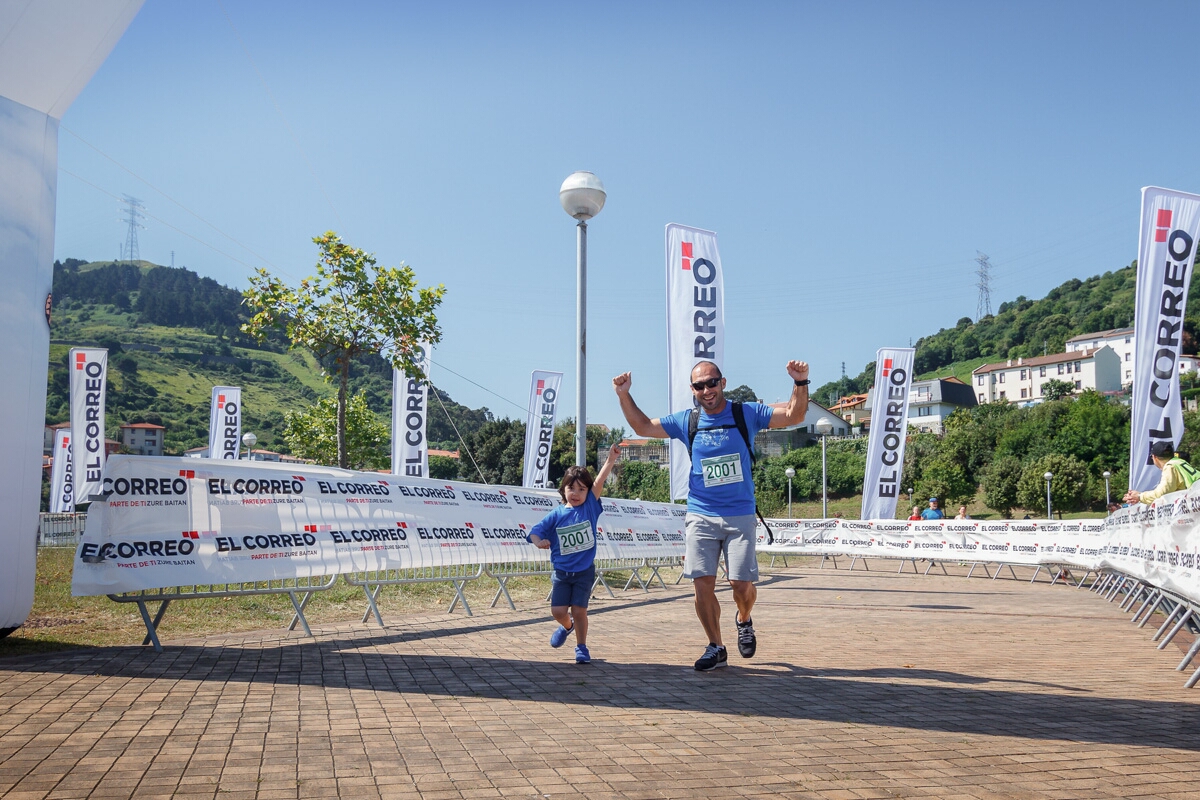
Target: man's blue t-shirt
<point>932,513</point>
<point>571,532</point>
<point>720,484</point>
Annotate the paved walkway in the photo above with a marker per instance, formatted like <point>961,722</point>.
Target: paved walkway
<point>866,685</point>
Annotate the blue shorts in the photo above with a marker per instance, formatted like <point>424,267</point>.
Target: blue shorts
<point>572,588</point>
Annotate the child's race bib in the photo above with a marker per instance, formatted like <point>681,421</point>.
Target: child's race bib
<point>575,538</point>
<point>720,470</point>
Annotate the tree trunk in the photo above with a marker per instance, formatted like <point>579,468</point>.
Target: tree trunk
<point>343,386</point>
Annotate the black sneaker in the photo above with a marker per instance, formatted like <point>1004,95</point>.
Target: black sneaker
<point>714,656</point>
<point>747,643</point>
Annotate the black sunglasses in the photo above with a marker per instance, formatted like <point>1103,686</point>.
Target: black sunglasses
<point>711,383</point>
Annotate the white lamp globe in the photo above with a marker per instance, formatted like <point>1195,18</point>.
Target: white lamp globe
<point>1048,475</point>
<point>791,473</point>
<point>249,439</point>
<point>582,195</point>
<point>824,427</point>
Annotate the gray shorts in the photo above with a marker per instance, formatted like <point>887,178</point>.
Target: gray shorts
<point>710,537</point>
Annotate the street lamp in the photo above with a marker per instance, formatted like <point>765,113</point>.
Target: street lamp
<point>582,196</point>
<point>910,495</point>
<point>791,473</point>
<point>824,427</point>
<point>249,439</point>
<point>1107,497</point>
<point>1049,511</point>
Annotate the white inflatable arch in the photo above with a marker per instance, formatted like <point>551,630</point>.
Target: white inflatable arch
<point>49,50</point>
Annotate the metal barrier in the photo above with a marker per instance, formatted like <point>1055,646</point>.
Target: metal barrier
<point>60,530</point>
<point>372,582</point>
<point>288,586</point>
<point>505,571</point>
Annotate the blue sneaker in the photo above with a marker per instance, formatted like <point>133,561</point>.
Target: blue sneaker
<point>582,656</point>
<point>559,636</point>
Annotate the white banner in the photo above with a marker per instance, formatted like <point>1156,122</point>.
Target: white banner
<point>225,423</point>
<point>62,478</point>
<point>89,378</point>
<point>885,447</point>
<point>1166,248</point>
<point>410,419</point>
<point>168,523</point>
<point>695,326</point>
<point>539,428</point>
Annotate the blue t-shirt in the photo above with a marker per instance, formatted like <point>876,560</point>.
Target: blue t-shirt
<point>932,513</point>
<point>571,532</point>
<point>720,485</point>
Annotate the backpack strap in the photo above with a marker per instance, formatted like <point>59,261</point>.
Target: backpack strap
<point>739,419</point>
<point>693,426</point>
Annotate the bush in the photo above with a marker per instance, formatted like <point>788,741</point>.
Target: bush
<point>1067,488</point>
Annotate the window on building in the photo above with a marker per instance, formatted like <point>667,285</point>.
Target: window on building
<point>980,383</point>
<point>1079,366</point>
<point>1127,339</point>
<point>1068,367</point>
<point>1060,369</point>
<point>1002,396</point>
<point>1078,384</point>
<point>981,398</point>
<point>1022,374</point>
<point>1002,377</point>
<point>1042,372</point>
<point>1023,394</point>
<point>1129,356</point>
<point>1041,388</point>
<point>1128,374</point>
<point>924,411</point>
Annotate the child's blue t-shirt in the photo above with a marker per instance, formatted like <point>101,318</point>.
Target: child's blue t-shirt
<point>720,483</point>
<point>571,532</point>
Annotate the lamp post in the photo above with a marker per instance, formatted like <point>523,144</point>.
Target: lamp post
<point>910,490</point>
<point>791,473</point>
<point>824,427</point>
<point>1049,511</point>
<point>249,439</point>
<point>582,196</point>
<point>1107,497</point>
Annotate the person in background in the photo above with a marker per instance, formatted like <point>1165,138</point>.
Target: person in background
<point>933,512</point>
<point>916,513</point>
<point>1177,474</point>
<point>962,513</point>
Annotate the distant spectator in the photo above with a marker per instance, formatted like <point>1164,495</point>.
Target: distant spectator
<point>1177,474</point>
<point>962,513</point>
<point>916,513</point>
<point>933,512</point>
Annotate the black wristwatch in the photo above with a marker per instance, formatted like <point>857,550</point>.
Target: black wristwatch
<point>804,382</point>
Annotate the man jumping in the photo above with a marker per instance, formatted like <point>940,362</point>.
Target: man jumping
<point>720,508</point>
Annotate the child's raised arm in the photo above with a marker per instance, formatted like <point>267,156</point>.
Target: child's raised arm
<point>614,454</point>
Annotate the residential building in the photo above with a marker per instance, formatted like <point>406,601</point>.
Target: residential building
<point>143,438</point>
<point>777,441</point>
<point>111,446</point>
<point>1021,380</point>
<point>853,408</point>
<point>931,401</point>
<point>1123,341</point>
<point>651,451</point>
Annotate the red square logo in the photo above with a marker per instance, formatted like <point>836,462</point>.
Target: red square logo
<point>1164,217</point>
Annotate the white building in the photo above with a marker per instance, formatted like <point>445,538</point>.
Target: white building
<point>143,438</point>
<point>931,401</point>
<point>1021,380</point>
<point>1122,340</point>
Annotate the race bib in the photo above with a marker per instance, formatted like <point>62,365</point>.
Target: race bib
<point>575,538</point>
<point>720,470</point>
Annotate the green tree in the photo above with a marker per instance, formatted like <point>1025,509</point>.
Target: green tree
<point>640,479</point>
<point>350,308</point>
<point>443,468</point>
<point>498,448</point>
<point>1000,484</point>
<point>562,449</point>
<point>741,394</point>
<point>315,433</point>
<point>1067,488</point>
<point>1054,389</point>
<point>947,481</point>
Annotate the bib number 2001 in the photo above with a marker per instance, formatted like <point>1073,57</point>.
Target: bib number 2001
<point>720,470</point>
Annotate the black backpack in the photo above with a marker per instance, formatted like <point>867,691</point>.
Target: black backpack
<point>739,422</point>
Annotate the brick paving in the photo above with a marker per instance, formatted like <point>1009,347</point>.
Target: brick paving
<point>866,685</point>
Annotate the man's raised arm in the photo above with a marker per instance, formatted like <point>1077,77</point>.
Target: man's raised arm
<point>797,405</point>
<point>637,419</point>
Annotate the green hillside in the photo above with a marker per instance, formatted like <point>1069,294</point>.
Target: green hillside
<point>173,335</point>
<point>1026,328</point>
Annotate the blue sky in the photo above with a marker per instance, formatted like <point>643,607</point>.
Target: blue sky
<point>852,158</point>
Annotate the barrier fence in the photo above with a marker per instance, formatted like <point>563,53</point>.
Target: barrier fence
<point>163,522</point>
<point>60,530</point>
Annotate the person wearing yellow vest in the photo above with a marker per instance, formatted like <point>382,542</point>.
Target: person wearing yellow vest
<point>1177,474</point>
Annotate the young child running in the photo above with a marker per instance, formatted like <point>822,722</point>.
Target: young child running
<point>569,532</point>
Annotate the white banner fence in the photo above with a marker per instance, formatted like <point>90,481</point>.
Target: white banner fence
<point>166,523</point>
